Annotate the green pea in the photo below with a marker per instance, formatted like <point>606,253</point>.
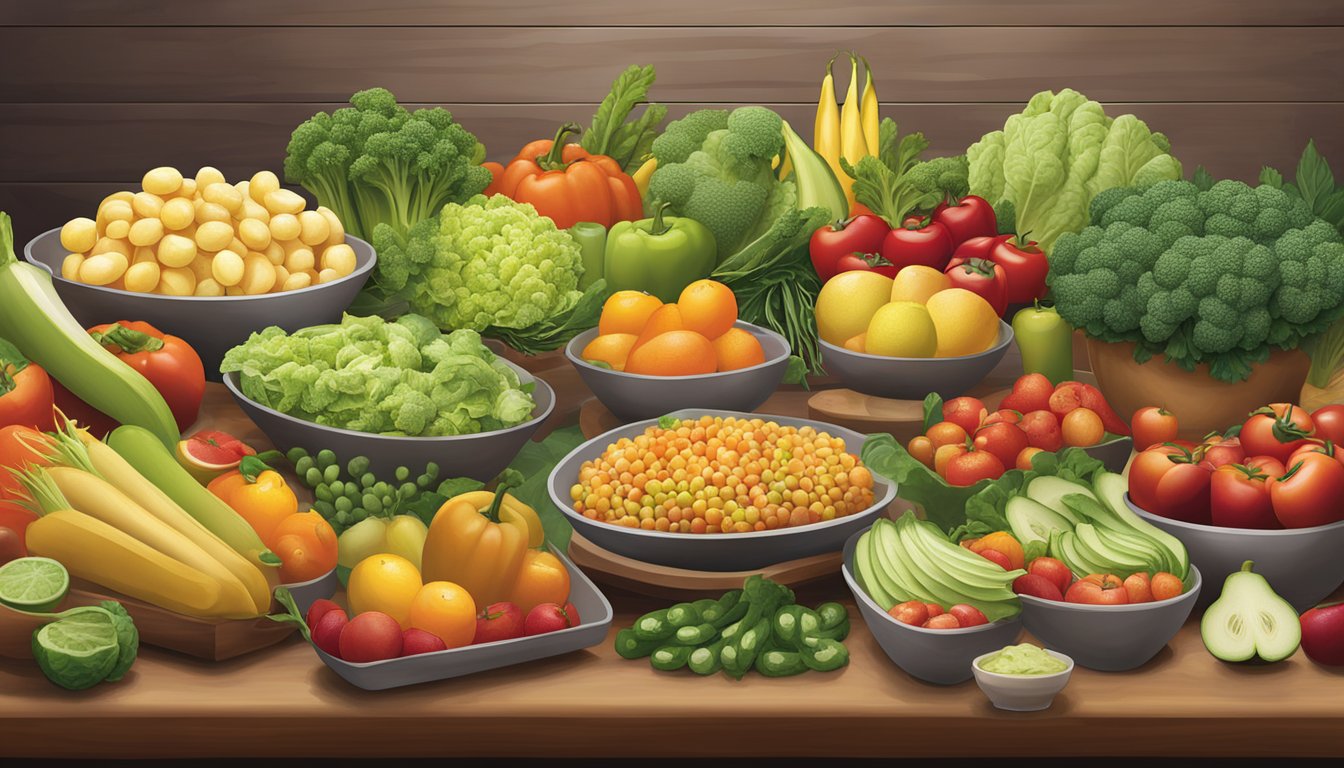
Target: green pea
<point>358,466</point>
<point>296,454</point>
<point>331,473</point>
<point>402,474</point>
<point>313,477</point>
<point>302,466</point>
<point>343,504</point>
<point>326,458</point>
<point>325,508</point>
<point>323,493</point>
<point>423,481</point>
<point>432,471</point>
<point>367,480</point>
<point>358,514</point>
<point>336,487</point>
<point>373,504</point>
<point>343,518</point>
<point>408,490</point>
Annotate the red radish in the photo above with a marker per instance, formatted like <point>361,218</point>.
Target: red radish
<point>318,609</point>
<point>996,557</point>
<point>943,621</point>
<point>968,615</point>
<point>1043,430</point>
<point>327,632</point>
<point>415,641</point>
<point>499,621</point>
<point>550,617</point>
<point>1037,586</point>
<point>1052,570</point>
<point>371,636</point>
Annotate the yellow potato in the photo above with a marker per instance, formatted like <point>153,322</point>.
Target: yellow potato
<point>176,282</point>
<point>201,267</point>
<point>340,258</point>
<point>142,277</point>
<point>283,201</point>
<point>254,210</point>
<point>290,246</point>
<point>209,287</point>
<point>147,204</point>
<point>188,189</point>
<point>284,226</point>
<point>327,275</point>
<point>335,230</point>
<point>118,229</point>
<point>213,236</point>
<point>275,253</point>
<point>177,214</point>
<point>79,235</point>
<point>103,268</point>
<point>142,254</point>
<point>234,290</point>
<point>267,255</point>
<point>258,275</point>
<point>70,266</point>
<point>261,184</point>
<point>281,275</point>
<point>227,268</point>
<point>177,251</point>
<point>163,180</point>
<point>300,260</point>
<point>296,281</point>
<point>222,194</point>
<point>254,233</point>
<point>126,195</point>
<point>145,232</point>
<point>106,244</point>
<point>236,245</point>
<point>208,175</point>
<point>117,210</point>
<point>313,228</point>
<point>212,212</point>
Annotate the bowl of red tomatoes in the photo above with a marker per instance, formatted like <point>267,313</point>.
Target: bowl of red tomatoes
<point>1270,493</point>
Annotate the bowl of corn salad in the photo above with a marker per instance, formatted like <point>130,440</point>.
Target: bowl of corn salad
<point>720,490</point>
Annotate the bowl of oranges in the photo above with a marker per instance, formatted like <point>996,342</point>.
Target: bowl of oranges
<point>646,358</point>
<point>907,336</point>
<point>206,260</point>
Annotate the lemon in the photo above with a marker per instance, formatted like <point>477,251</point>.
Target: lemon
<point>386,583</point>
<point>965,322</point>
<point>902,329</point>
<point>917,283</point>
<point>847,302</point>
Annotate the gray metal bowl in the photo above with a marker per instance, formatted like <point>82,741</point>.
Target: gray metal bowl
<point>1109,638</point>
<point>1303,565</point>
<point>632,396</point>
<point>212,325</point>
<point>1113,453</point>
<point>940,656</point>
<point>913,378</point>
<point>595,617</point>
<point>305,593</point>
<point>480,456</point>
<point>714,552</point>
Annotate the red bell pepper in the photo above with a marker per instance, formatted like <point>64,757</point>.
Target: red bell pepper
<point>927,243</point>
<point>25,390</point>
<point>858,234</point>
<point>982,277</point>
<point>967,218</point>
<point>169,363</point>
<point>1026,267</point>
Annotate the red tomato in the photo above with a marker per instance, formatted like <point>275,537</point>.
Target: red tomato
<point>1239,494</point>
<point>968,615</point>
<point>982,277</point>
<point>25,390</point>
<point>929,245</point>
<point>1054,571</point>
<point>1037,586</point>
<point>934,609</point>
<point>864,262</point>
<point>1153,425</point>
<point>1329,423</point>
<point>944,454</point>
<point>1139,587</point>
<point>966,412</point>
<point>1218,451</point>
<point>1025,266</point>
<point>1309,493</point>
<point>910,612</point>
<point>1005,441</point>
<point>1003,416</point>
<point>1098,589</point>
<point>1043,430</point>
<point>975,465</point>
<point>1030,393</point>
<point>1326,448</point>
<point>1275,430</point>
<point>978,247</point>
<point>967,218</point>
<point>862,234</point>
<point>943,621</point>
<point>1167,480</point>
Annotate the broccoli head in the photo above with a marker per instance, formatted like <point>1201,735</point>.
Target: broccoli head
<point>940,178</point>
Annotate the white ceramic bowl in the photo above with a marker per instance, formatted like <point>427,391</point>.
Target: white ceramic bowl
<point>1022,693</point>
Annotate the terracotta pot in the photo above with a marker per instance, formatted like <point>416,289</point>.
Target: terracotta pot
<point>1201,403</point>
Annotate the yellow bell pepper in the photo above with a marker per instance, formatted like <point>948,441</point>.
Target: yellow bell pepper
<point>258,494</point>
<point>479,550</point>
<point>510,510</point>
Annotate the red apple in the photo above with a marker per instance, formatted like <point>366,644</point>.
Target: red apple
<point>996,557</point>
<point>1323,634</point>
<point>967,615</point>
<point>415,641</point>
<point>934,609</point>
<point>499,621</point>
<point>1054,571</point>
<point>371,636</point>
<point>327,631</point>
<point>1037,586</point>
<point>943,621</point>
<point>318,609</point>
<point>550,617</point>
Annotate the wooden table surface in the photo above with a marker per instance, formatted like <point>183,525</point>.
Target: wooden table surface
<point>284,702</point>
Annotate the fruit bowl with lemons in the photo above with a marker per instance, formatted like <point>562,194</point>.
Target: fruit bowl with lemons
<point>646,358</point>
<point>907,336</point>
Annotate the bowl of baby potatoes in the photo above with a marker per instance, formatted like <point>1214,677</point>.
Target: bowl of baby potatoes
<point>205,259</point>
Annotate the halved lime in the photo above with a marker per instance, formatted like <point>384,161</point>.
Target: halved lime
<point>33,583</point>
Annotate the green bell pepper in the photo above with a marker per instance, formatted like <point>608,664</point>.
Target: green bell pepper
<point>660,256</point>
<point>592,240</point>
<point>1046,342</point>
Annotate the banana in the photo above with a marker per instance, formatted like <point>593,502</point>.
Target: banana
<point>826,130</point>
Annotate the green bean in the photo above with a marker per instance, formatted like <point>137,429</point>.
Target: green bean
<point>832,614</point>
<point>653,626</point>
<point>780,663</point>
<point>696,634</point>
<point>670,657</point>
<point>630,646</point>
<point>708,610</point>
<point>683,615</point>
<point>825,655</point>
<point>705,660</point>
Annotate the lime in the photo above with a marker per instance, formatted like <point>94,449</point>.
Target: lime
<point>78,651</point>
<point>33,583</point>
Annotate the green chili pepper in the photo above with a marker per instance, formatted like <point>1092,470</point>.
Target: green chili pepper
<point>695,635</point>
<point>661,255</point>
<point>823,655</point>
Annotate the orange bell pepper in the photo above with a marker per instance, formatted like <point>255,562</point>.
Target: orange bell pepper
<point>569,185</point>
<point>542,579</point>
<point>258,494</point>
<point>479,550</point>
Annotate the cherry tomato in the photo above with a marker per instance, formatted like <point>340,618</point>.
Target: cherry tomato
<point>910,612</point>
<point>946,433</point>
<point>966,412</point>
<point>929,245</point>
<point>1275,430</point>
<point>1003,416</point>
<point>943,621</point>
<point>1139,587</point>
<point>1024,458</point>
<point>1153,425</point>
<point>1166,586</point>
<point>1309,493</point>
<point>968,615</point>
<point>1239,494</point>
<point>1043,430</point>
<point>970,467</point>
<point>1053,570</point>
<point>944,454</point>
<point>1169,481</point>
<point>921,447</point>
<point>1098,589</point>
<point>969,217</point>
<point>1329,423</point>
<point>1082,427</point>
<point>1005,441</point>
<point>1218,451</point>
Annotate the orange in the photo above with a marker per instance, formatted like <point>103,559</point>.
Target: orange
<point>857,343</point>
<point>738,349</point>
<point>610,348</point>
<point>387,583</point>
<point>675,353</point>
<point>665,318</point>
<point>626,312</point>
<point>443,608</point>
<point>708,307</point>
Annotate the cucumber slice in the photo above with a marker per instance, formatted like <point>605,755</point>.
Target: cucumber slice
<point>1050,491</point>
<point>1111,488</point>
<point>1033,521</point>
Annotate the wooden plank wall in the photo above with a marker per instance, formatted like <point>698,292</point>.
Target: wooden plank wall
<point>95,92</point>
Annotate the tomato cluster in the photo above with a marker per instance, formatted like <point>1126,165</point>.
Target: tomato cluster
<point>1278,469</point>
<point>971,444</point>
<point>1050,579</point>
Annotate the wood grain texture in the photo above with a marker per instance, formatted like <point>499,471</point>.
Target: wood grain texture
<point>703,13</point>
<point>729,64</point>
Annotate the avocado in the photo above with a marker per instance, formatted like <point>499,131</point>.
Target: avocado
<point>945,591</point>
<point>1032,520</point>
<point>893,579</point>
<point>1122,561</point>
<point>865,571</point>
<point>1050,491</point>
<point>1250,620</point>
<point>956,566</point>
<point>1111,489</point>
<point>1153,553</point>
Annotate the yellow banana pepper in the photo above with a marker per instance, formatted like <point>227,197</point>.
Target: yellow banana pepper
<point>481,551</point>
<point>868,111</point>
<point>642,175</point>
